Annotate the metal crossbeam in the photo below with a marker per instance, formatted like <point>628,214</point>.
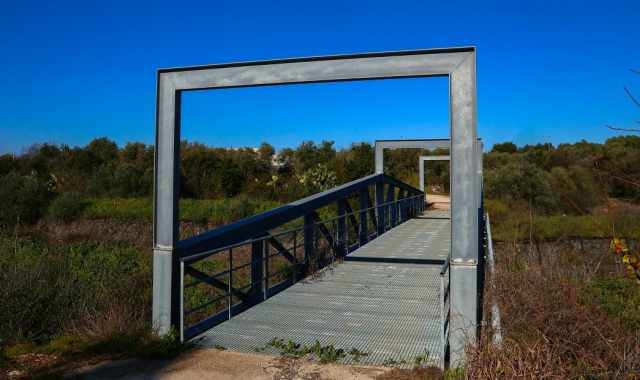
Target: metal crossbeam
<point>275,243</point>
<point>201,276</point>
<point>327,235</point>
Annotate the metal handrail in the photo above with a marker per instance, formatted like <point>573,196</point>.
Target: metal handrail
<point>445,310</point>
<point>211,252</point>
<point>255,225</point>
<point>335,230</point>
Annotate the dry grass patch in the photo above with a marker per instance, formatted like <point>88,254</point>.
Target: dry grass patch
<point>552,328</point>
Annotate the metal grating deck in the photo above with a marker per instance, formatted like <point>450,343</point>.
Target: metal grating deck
<point>388,310</point>
<point>427,237</point>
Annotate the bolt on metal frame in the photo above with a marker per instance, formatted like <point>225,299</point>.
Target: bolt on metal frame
<point>458,64</point>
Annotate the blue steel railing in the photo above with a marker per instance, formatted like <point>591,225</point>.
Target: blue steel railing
<point>262,257</point>
<point>445,310</point>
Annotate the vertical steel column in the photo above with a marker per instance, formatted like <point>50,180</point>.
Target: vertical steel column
<point>393,208</point>
<point>464,221</point>
<point>309,240</point>
<point>421,173</point>
<point>257,274</point>
<point>342,228</point>
<point>166,281</point>
<point>379,207</point>
<point>379,158</point>
<point>364,234</point>
<point>401,203</point>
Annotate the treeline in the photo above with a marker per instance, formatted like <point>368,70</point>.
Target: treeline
<point>32,180</point>
<point>568,178</point>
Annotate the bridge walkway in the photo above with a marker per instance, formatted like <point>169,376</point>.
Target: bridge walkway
<point>384,299</point>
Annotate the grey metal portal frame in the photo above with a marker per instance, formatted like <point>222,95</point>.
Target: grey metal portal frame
<point>421,161</point>
<point>427,144</point>
<point>458,64</point>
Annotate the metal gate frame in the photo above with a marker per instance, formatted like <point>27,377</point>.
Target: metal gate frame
<point>421,161</point>
<point>458,64</point>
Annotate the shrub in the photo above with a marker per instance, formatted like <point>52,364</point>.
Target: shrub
<point>48,289</point>
<point>67,207</point>
<point>23,199</point>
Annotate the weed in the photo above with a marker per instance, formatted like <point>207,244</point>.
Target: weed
<point>390,362</point>
<point>454,374</point>
<point>324,354</point>
<point>421,359</point>
<point>619,297</point>
<point>357,354</point>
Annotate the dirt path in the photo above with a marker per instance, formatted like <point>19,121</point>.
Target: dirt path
<point>439,201</point>
<point>226,365</point>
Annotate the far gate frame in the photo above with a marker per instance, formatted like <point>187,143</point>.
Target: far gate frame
<point>458,64</point>
<point>421,171</point>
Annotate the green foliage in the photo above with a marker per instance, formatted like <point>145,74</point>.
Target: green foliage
<point>520,180</point>
<point>618,297</point>
<point>216,211</point>
<point>66,207</point>
<point>420,360</point>
<point>23,198</point>
<point>324,354</point>
<point>506,147</point>
<point>454,374</point>
<point>357,354</point>
<point>515,225</point>
<point>391,362</point>
<point>49,287</point>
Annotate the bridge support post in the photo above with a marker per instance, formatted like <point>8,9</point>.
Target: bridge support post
<point>258,292</point>
<point>464,309</point>
<point>342,242</point>
<point>379,208</point>
<point>393,208</point>
<point>364,233</point>
<point>309,241</point>
<point>166,272</point>
<point>402,215</point>
<point>464,208</point>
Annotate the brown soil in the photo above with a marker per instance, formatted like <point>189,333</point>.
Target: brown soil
<point>439,201</point>
<point>227,365</point>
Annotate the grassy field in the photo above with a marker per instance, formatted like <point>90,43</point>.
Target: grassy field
<point>81,289</point>
<point>516,223</point>
<point>217,211</point>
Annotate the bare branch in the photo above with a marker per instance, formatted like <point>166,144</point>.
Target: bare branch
<point>630,95</point>
<point>623,129</point>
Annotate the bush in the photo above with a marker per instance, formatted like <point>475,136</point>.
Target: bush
<point>618,297</point>
<point>49,288</point>
<point>67,207</point>
<point>23,199</point>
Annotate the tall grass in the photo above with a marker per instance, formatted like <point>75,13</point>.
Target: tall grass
<point>51,289</point>
<point>553,325</point>
<point>517,223</point>
<point>217,211</point>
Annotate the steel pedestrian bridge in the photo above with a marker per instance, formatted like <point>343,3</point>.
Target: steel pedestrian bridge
<point>364,265</point>
<point>388,298</point>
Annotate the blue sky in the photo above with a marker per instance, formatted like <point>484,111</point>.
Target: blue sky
<point>547,71</point>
